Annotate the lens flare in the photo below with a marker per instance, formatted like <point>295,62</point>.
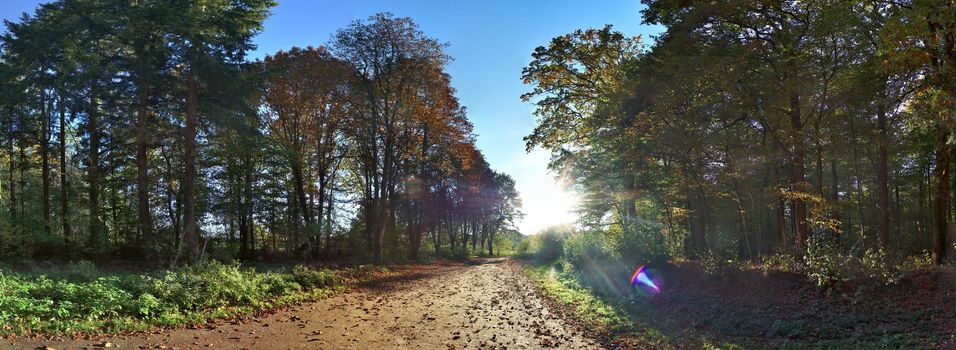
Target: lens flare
<point>641,276</point>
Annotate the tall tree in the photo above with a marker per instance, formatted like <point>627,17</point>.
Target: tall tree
<point>387,54</point>
<point>920,38</point>
<point>209,35</point>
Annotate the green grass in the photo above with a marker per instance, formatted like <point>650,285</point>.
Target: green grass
<point>80,300</point>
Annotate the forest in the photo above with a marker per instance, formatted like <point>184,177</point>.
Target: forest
<point>755,154</point>
<point>751,129</point>
<point>141,131</point>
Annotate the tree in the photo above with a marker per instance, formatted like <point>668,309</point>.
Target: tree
<point>920,38</point>
<point>209,35</point>
<point>306,99</point>
<point>387,53</point>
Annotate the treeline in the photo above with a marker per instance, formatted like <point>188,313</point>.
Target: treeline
<point>140,130</point>
<point>754,128</point>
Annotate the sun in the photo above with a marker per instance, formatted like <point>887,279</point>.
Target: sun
<point>546,203</point>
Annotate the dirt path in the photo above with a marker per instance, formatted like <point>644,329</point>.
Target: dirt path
<point>485,305</point>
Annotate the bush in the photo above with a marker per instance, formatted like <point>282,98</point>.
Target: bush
<point>524,249</point>
<point>715,263</point>
<point>309,278</point>
<point>587,247</point>
<point>877,264</point>
<point>548,245</point>
<point>824,260</point>
<point>783,262</point>
<point>642,242</point>
<point>918,261</point>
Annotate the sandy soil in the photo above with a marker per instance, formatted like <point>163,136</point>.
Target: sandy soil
<point>487,304</point>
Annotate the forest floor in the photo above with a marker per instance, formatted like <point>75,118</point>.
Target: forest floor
<point>754,309</point>
<point>479,304</point>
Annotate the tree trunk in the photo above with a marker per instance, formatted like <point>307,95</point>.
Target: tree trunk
<point>174,209</point>
<point>819,168</point>
<point>190,232</point>
<point>798,171</point>
<point>942,197</point>
<point>834,188</point>
<point>782,224</point>
<point>328,220</point>
<point>245,212</point>
<point>94,170</point>
<point>415,240</point>
<point>475,235</point>
<point>882,180</point>
<point>24,165</point>
<point>898,222</point>
<point>45,113</point>
<point>142,162</point>
<point>858,178</point>
<point>951,210</point>
<point>378,244</point>
<point>299,182</point>
<point>292,217</point>
<point>491,242</point>
<point>319,215</point>
<point>704,216</point>
<point>12,166</point>
<point>484,237</point>
<point>64,180</point>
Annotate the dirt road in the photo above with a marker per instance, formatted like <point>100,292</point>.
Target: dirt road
<point>487,304</point>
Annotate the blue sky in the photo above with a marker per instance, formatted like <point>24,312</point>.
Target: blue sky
<point>490,41</point>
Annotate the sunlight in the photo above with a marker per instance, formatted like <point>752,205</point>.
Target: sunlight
<point>546,203</point>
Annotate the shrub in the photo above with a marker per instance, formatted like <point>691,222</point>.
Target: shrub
<point>825,262</point>
<point>877,264</point>
<point>309,278</point>
<point>641,242</point>
<point>587,247</point>
<point>783,262</point>
<point>147,305</point>
<point>279,284</point>
<point>548,245</point>
<point>87,302</point>
<point>715,263</point>
<point>918,261</point>
<point>524,249</point>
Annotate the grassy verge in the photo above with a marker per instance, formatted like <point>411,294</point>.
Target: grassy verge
<point>711,313</point>
<point>605,317</point>
<point>81,300</point>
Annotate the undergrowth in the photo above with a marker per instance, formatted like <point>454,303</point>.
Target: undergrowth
<point>635,321</point>
<point>79,299</point>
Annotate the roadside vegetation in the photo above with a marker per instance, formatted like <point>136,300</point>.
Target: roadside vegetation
<point>835,299</point>
<point>79,299</point>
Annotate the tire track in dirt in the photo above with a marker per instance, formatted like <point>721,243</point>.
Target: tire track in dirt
<point>487,304</point>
